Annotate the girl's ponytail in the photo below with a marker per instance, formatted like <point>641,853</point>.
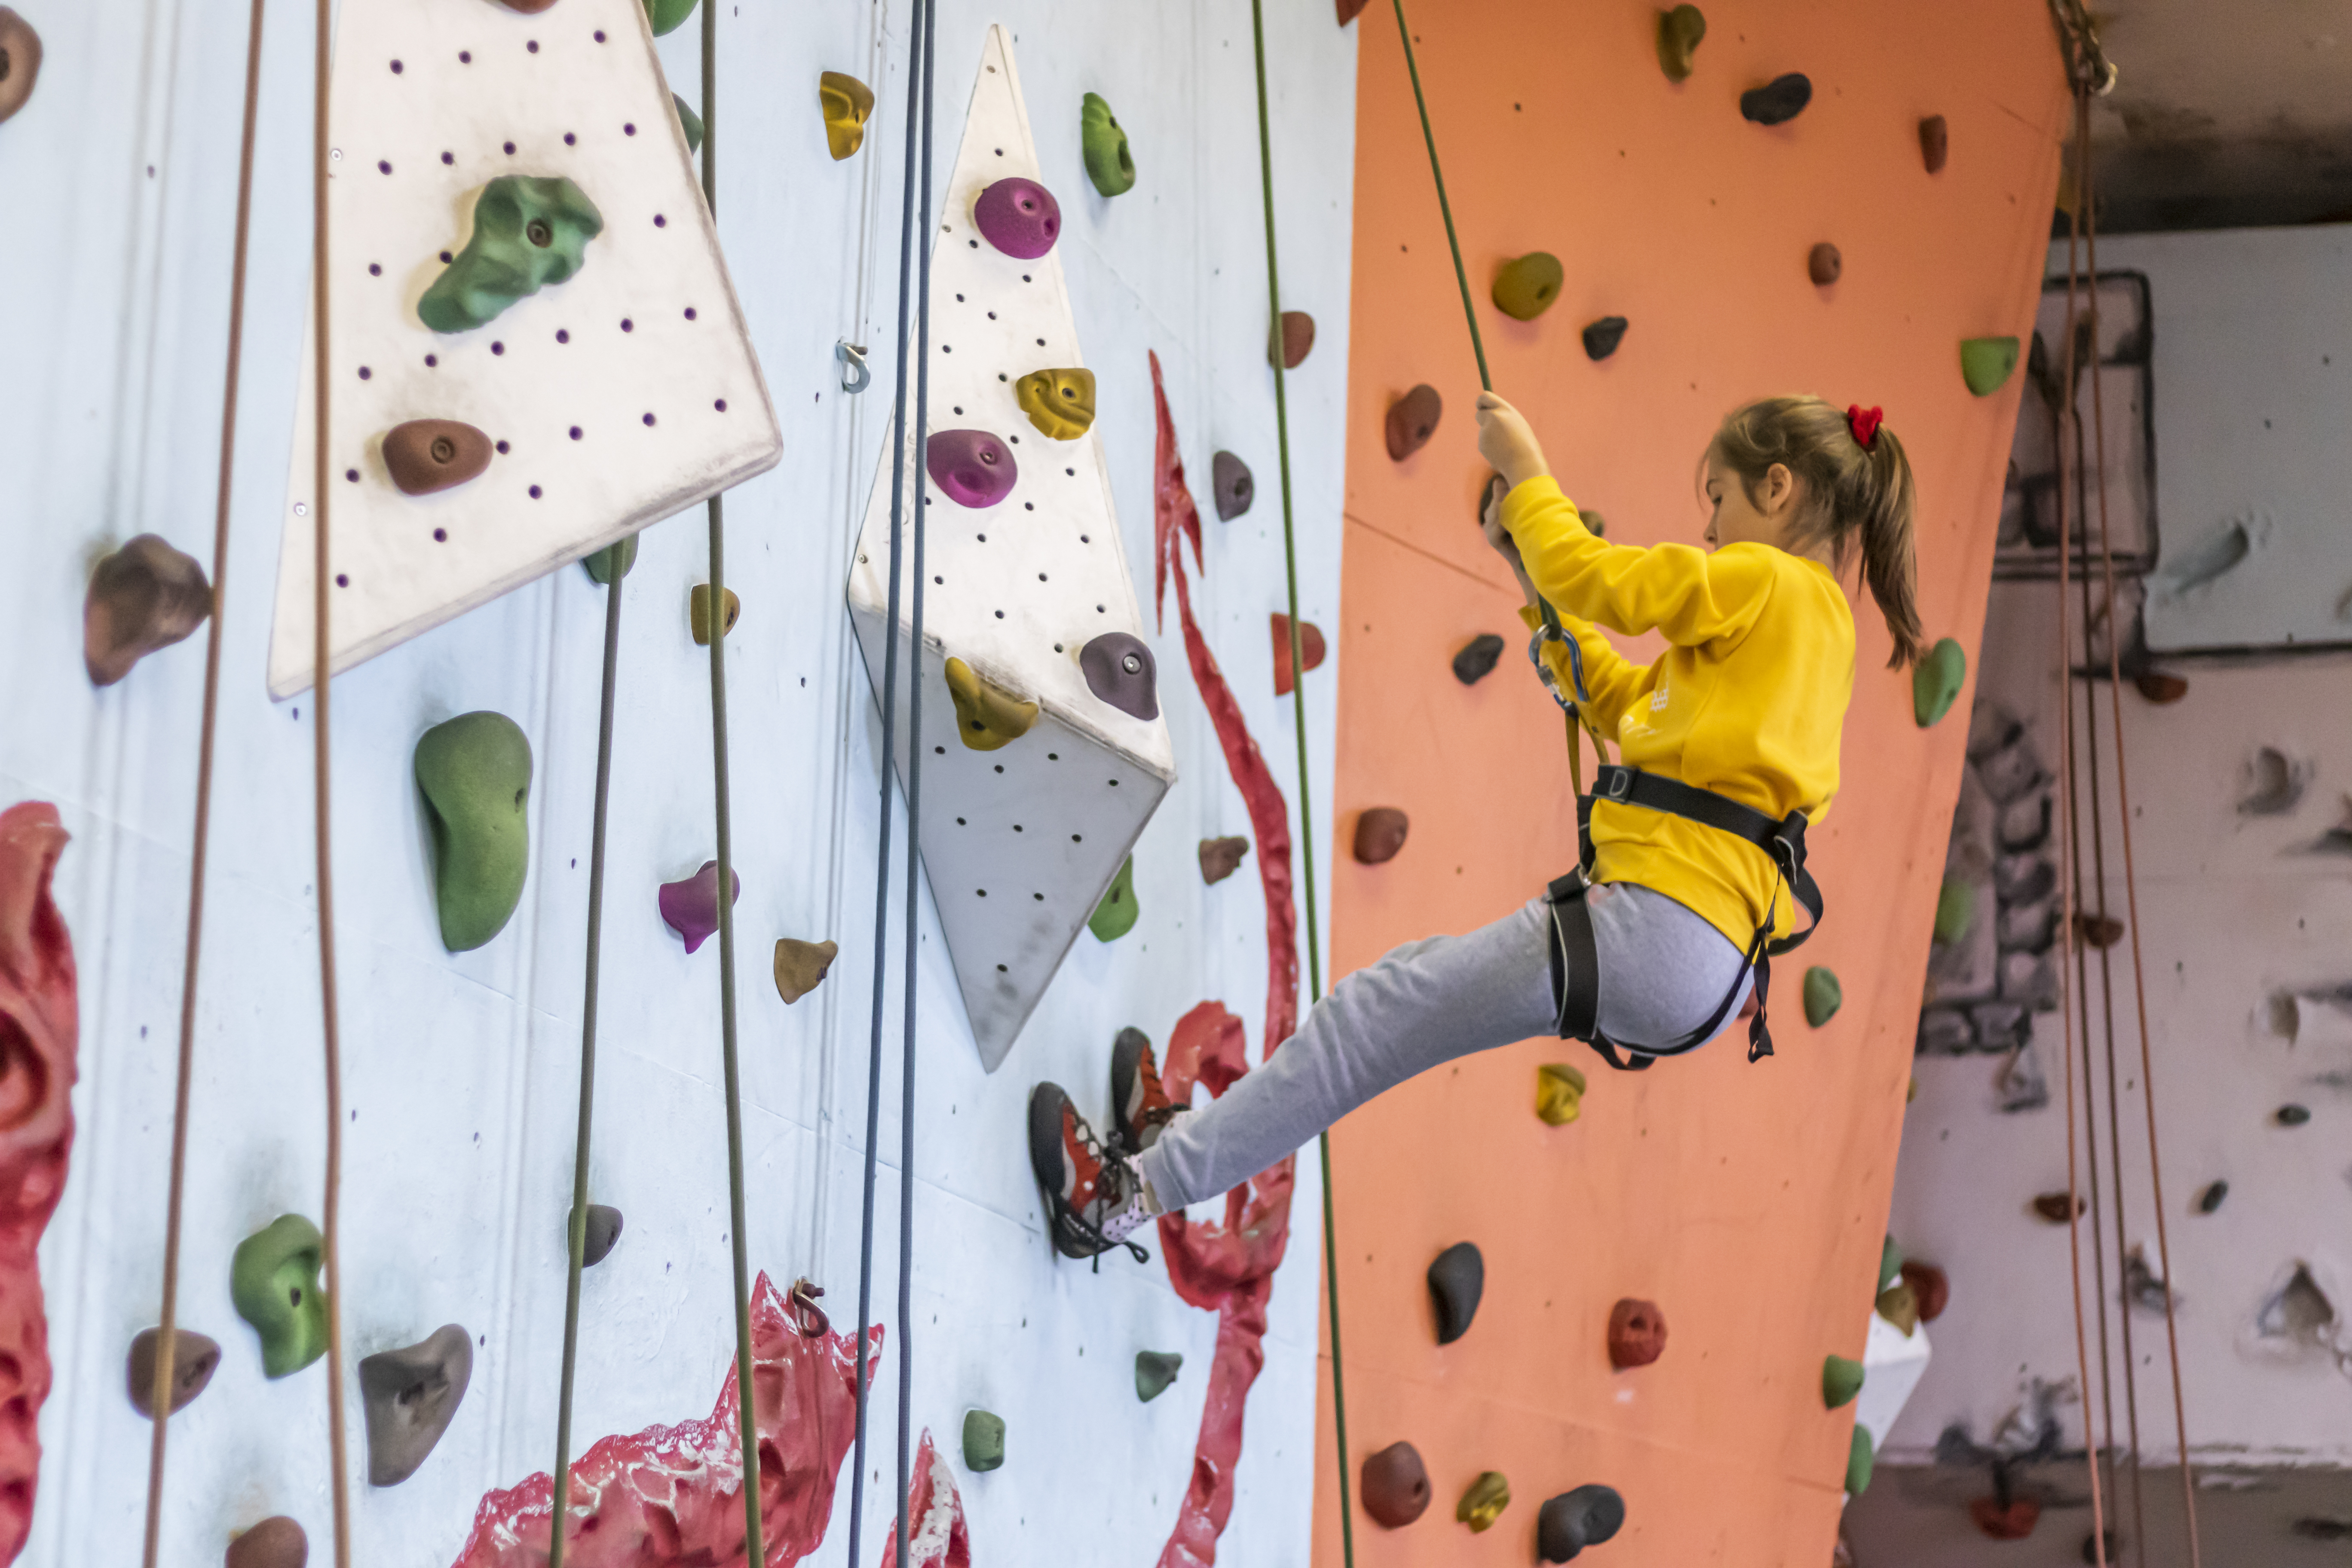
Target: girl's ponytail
<point>1884,503</point>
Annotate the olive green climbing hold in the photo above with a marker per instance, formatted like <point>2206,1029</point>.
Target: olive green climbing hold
<point>697,613</point>
<point>987,716</point>
<point>1823,995</point>
<point>669,16</point>
<point>528,232</point>
<point>1679,32</point>
<point>1114,916</point>
<point>1060,402</point>
<point>1110,163</point>
<point>613,561</point>
<point>1956,911</point>
<point>984,1441</point>
<point>1890,1263</point>
<point>801,967</point>
<point>1936,681</point>
<point>1985,364</point>
<point>1155,1369</point>
<point>273,1282</point>
<point>1559,1093</point>
<point>688,122</point>
<point>1483,1503</point>
<point>846,101</point>
<point>1899,1305</point>
<point>1526,289</point>
<point>475,771</point>
<point>1841,1380</point>
<point>1857,1463</point>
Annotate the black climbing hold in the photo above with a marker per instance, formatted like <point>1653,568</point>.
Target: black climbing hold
<point>1121,671</point>
<point>1394,1485</point>
<point>2212,1196</point>
<point>1154,1371</point>
<point>1455,1282</point>
<point>1779,100</point>
<point>1573,1521</point>
<point>1601,337</point>
<point>411,1395</point>
<point>1477,660</point>
<point>604,1235</point>
<point>2293,1115</point>
<point>1231,484</point>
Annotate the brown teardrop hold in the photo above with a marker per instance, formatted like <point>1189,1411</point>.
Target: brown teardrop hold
<point>697,613</point>
<point>1637,1333</point>
<point>273,1543</point>
<point>1929,1287</point>
<point>1412,420</point>
<point>1823,264</point>
<point>428,454</point>
<point>194,1359</point>
<point>2098,930</point>
<point>2161,688</point>
<point>144,596</point>
<point>1935,142</point>
<point>1310,644</point>
<point>1296,338</point>
<point>1395,1485</point>
<point>1221,857</point>
<point>1601,337</point>
<point>1379,833</point>
<point>2058,1207</point>
<point>20,61</point>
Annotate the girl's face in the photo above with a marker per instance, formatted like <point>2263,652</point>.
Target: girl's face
<point>1734,518</point>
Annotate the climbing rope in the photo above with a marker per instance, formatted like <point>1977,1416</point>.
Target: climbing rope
<point>166,1343</point>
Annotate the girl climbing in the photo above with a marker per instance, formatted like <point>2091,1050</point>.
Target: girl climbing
<point>1730,749</point>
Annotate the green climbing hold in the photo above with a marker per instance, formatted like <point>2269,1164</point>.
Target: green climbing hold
<point>1857,1463</point>
<point>1936,681</point>
<point>1956,911</point>
<point>273,1282</point>
<point>475,770</point>
<point>1890,1264</point>
<point>528,232</point>
<point>1525,289</point>
<point>1110,163</point>
<point>1154,1372</point>
<point>613,561</point>
<point>1679,32</point>
<point>1985,364</point>
<point>1823,995</point>
<point>669,16</point>
<point>688,122</point>
<point>984,1441</point>
<point>1114,916</point>
<point>1841,1380</point>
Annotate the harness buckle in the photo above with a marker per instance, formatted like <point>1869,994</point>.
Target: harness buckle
<point>1620,784</point>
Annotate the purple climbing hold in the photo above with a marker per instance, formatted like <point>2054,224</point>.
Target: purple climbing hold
<point>1018,216</point>
<point>690,908</point>
<point>1120,670</point>
<point>973,466</point>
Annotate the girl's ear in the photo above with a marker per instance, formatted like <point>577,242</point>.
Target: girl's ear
<point>1780,488</point>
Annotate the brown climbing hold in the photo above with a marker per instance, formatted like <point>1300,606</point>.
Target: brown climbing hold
<point>1899,1306</point>
<point>1679,32</point>
<point>1412,420</point>
<point>1379,833</point>
<point>428,454</point>
<point>528,7</point>
<point>194,1359</point>
<point>1527,287</point>
<point>1929,1287</point>
<point>276,1542</point>
<point>144,596</point>
<point>987,716</point>
<point>2058,1207</point>
<point>2010,1521</point>
<point>1221,857</point>
<point>1823,264</point>
<point>1297,339</point>
<point>2097,931</point>
<point>1637,1333</point>
<point>1395,1485</point>
<point>1349,10</point>
<point>800,966</point>
<point>1483,1503</point>
<point>1231,484</point>
<point>2161,688</point>
<point>20,61</point>
<point>1935,142</point>
<point>697,613</point>
<point>1310,644</point>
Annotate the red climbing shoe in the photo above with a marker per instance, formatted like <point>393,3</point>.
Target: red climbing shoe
<point>1094,1197</point>
<point>1139,1108</point>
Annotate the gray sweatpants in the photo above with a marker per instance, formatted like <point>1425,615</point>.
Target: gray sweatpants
<point>1663,971</point>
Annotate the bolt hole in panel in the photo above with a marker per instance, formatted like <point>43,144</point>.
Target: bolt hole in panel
<point>642,350</point>
<point>1017,590</point>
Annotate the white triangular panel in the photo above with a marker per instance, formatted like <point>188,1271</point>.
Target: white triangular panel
<point>1020,844</point>
<point>432,99</point>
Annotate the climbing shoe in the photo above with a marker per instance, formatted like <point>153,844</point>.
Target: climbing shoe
<point>1139,1108</point>
<point>1094,1195</point>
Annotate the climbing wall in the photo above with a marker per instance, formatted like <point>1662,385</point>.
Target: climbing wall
<point>1748,1202</point>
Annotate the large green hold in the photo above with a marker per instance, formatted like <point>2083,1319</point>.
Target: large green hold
<point>1823,995</point>
<point>1110,164</point>
<point>475,771</point>
<point>527,233</point>
<point>1841,1380</point>
<point>1114,916</point>
<point>1857,1463</point>
<point>983,1440</point>
<point>1985,364</point>
<point>613,561</point>
<point>273,1282</point>
<point>1526,287</point>
<point>1936,681</point>
<point>1956,911</point>
<point>669,16</point>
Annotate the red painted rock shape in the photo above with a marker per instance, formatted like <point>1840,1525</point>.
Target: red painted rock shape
<point>1221,857</point>
<point>971,466</point>
<point>1935,142</point>
<point>1120,670</point>
<point>1310,643</point>
<point>1823,265</point>
<point>277,1542</point>
<point>144,596</point>
<point>1296,338</point>
<point>672,1497</point>
<point>1637,1333</point>
<point>1018,216</point>
<point>2012,1520</point>
<point>690,907</point>
<point>39,1026</point>
<point>1379,833</point>
<point>1412,420</point>
<point>1395,1485</point>
<point>428,455</point>
<point>939,1537</point>
<point>1929,1287</point>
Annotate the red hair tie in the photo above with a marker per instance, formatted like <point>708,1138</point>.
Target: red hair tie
<point>1864,423</point>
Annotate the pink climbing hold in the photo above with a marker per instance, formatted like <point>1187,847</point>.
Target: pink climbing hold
<point>973,466</point>
<point>941,1538</point>
<point>1018,216</point>
<point>690,908</point>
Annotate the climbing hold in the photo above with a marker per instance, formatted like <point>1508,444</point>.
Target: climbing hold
<point>410,1396</point>
<point>1114,916</point>
<point>1823,995</point>
<point>1573,1521</point>
<point>1412,420</point>
<point>1394,1485</point>
<point>428,454</point>
<point>690,905</point>
<point>1929,1287</point>
<point>1295,339</point>
<point>20,61</point>
<point>1890,1263</point>
<point>1841,1380</point>
<point>2276,784</point>
<point>2293,1115</point>
<point>1348,9</point>
<point>1559,1093</point>
<point>1154,1369</point>
<point>1483,1503</point>
<point>144,596</point>
<point>1018,216</point>
<point>1110,164</point>
<point>1221,857</point>
<point>1060,402</point>
<point>2058,1207</point>
<point>2213,1197</point>
<point>277,1542</point>
<point>1594,523</point>
<point>1637,1333</point>
<point>1956,911</point>
<point>1477,660</point>
<point>1379,833</point>
<point>1456,1279</point>
<point>1231,484</point>
<point>2010,1521</point>
<point>1857,1463</point>
<point>1899,1306</point>
<point>1985,364</point>
<point>273,1282</point>
<point>846,101</point>
<point>1679,32</point>
<point>1120,670</point>
<point>1526,288</point>
<point>988,717</point>
<point>612,563</point>
<point>697,613</point>
<point>475,772</point>
<point>528,232</point>
<point>194,1359</point>
<point>688,122</point>
<point>601,1233</point>
<point>1778,101</point>
<point>669,16</point>
<point>973,468</point>
<point>1601,337</point>
<point>1310,645</point>
<point>2159,687</point>
<point>801,967</point>
<point>1935,142</point>
<point>1936,681</point>
<point>984,1441</point>
<point>1823,264</point>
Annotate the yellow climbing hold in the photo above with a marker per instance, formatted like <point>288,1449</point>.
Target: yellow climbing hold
<point>800,966</point>
<point>846,102</point>
<point>1060,402</point>
<point>1559,1093</point>
<point>1483,1503</point>
<point>698,613</point>
<point>1899,1306</point>
<point>987,716</point>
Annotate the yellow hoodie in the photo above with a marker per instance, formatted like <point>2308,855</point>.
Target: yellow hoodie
<point>1748,702</point>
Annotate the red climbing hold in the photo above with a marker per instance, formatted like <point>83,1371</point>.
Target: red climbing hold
<point>1637,1333</point>
<point>1379,833</point>
<point>1310,643</point>
<point>2011,1521</point>
<point>1395,1485</point>
<point>1296,338</point>
<point>1412,420</point>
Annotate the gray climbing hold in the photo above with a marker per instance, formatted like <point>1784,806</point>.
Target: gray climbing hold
<point>194,1359</point>
<point>1601,337</point>
<point>2275,783</point>
<point>2213,1197</point>
<point>1231,485</point>
<point>1456,1279</point>
<point>1477,660</point>
<point>613,561</point>
<point>1573,1521</point>
<point>411,1395</point>
<point>1120,670</point>
<point>603,1233</point>
<point>1154,1372</point>
<point>1779,100</point>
